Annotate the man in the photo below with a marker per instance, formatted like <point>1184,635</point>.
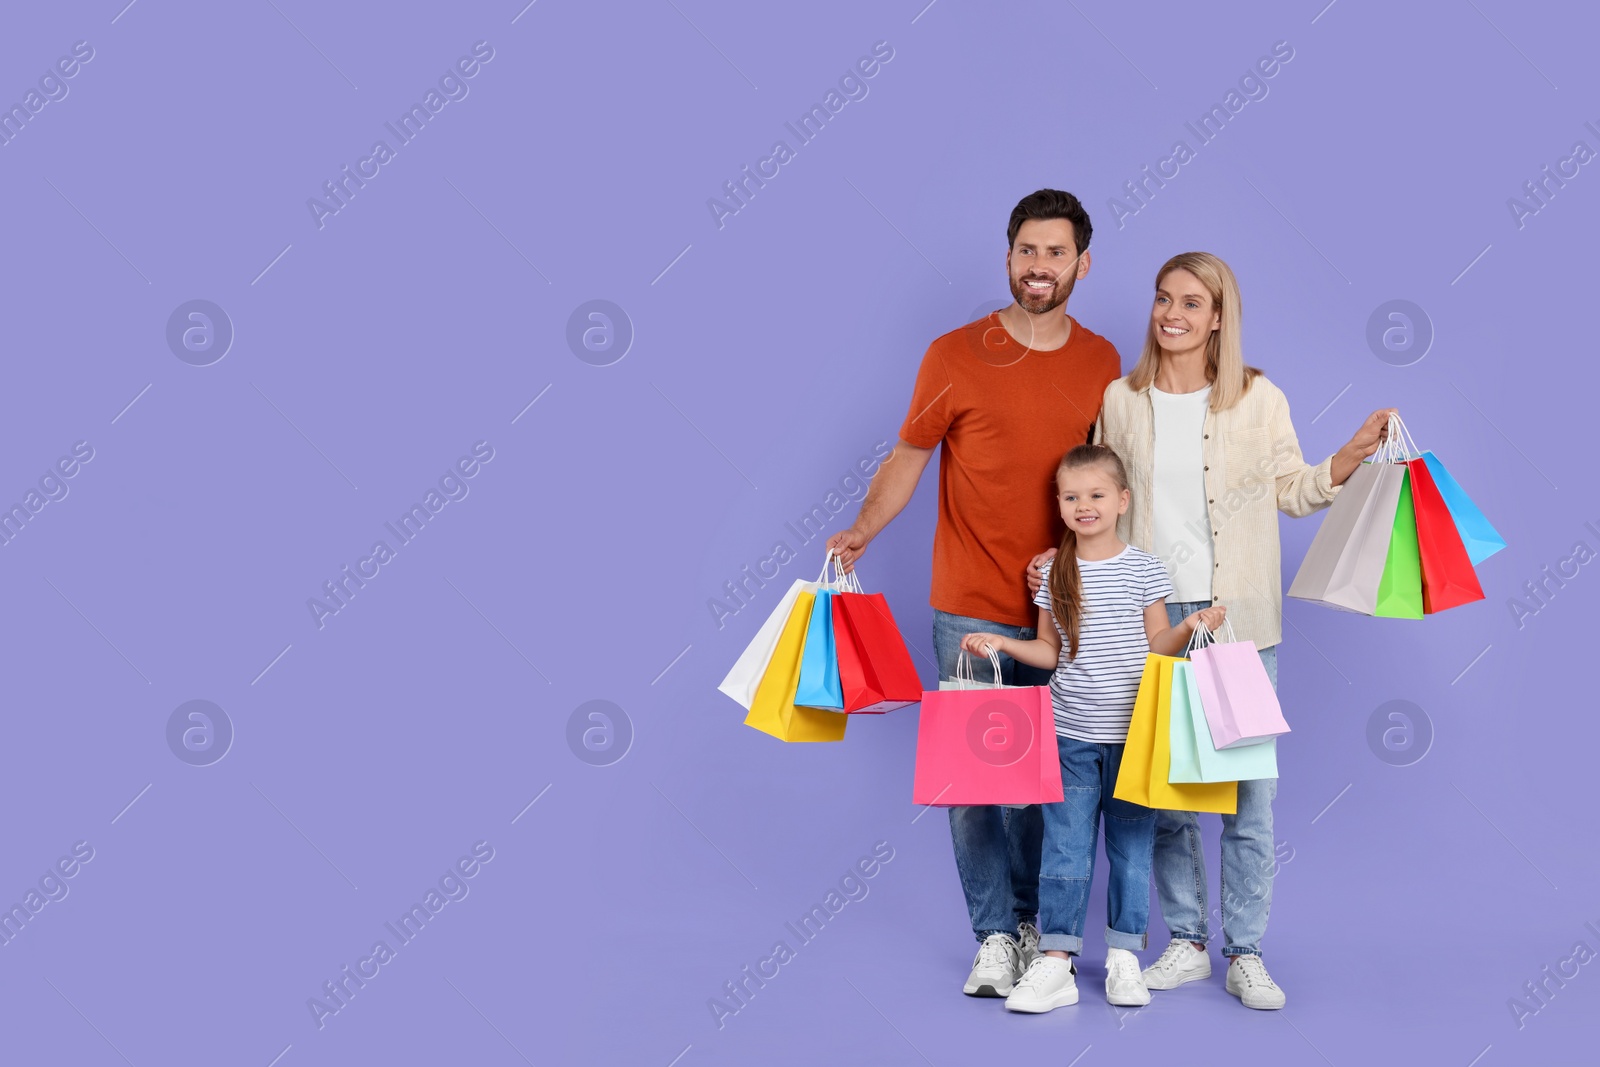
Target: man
<point>1004,397</point>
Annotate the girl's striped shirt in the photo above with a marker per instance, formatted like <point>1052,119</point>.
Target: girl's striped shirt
<point>1094,693</point>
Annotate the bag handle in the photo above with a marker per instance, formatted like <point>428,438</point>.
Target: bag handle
<point>1406,431</point>
<point>844,583</point>
<point>1398,446</point>
<point>849,583</point>
<point>1389,447</point>
<point>964,670</point>
<point>841,581</point>
<point>1222,635</point>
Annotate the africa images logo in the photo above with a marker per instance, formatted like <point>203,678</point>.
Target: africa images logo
<point>452,487</point>
<point>453,887</point>
<point>453,87</point>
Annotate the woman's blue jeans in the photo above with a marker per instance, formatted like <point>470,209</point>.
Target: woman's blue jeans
<point>1248,863</point>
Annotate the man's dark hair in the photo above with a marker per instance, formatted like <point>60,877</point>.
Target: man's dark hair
<point>1051,204</point>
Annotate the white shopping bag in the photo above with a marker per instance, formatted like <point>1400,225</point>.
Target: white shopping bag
<point>742,680</point>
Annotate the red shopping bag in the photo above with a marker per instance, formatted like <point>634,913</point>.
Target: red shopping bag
<point>875,669</point>
<point>1448,579</point>
<point>987,745</point>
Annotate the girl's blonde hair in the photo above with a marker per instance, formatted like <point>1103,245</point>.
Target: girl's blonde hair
<point>1225,367</point>
<point>1066,581</point>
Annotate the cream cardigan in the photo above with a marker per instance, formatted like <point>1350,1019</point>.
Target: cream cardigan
<point>1253,470</point>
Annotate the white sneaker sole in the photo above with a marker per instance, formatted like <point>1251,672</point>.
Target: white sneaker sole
<point>1127,1000</point>
<point>1257,1006</point>
<point>1154,982</point>
<point>1062,999</point>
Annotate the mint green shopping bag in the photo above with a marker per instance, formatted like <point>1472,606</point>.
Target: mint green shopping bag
<point>1194,758</point>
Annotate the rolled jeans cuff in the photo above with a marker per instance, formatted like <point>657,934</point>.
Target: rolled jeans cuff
<point>1061,943</point>
<point>1131,942</point>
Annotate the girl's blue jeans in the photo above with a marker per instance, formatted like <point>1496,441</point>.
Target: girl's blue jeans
<point>1066,871</point>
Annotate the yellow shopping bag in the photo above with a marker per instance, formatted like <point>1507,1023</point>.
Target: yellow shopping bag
<point>773,710</point>
<point>1147,756</point>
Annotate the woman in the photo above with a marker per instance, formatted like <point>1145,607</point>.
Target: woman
<point>1212,457</point>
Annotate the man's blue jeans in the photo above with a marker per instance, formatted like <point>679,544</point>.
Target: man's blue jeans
<point>1071,827</point>
<point>1248,863</point>
<point>997,849</point>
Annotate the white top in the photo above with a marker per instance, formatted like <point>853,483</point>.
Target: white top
<point>1257,472</point>
<point>1182,531</point>
<point>1093,694</point>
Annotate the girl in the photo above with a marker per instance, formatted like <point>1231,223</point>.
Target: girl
<point>1214,457</point>
<point>1100,612</point>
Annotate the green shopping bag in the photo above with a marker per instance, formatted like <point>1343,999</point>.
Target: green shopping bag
<point>1400,589</point>
<point>1194,758</point>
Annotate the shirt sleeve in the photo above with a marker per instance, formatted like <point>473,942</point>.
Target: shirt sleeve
<point>932,404</point>
<point>1042,597</point>
<point>1157,586</point>
<point>1302,488</point>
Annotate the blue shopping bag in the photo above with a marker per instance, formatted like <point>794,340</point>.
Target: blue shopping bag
<point>1194,758</point>
<point>819,662</point>
<point>1481,539</point>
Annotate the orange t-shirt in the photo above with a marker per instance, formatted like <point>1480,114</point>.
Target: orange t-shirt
<point>1005,415</point>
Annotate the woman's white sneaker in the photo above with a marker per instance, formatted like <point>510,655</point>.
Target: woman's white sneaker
<point>1048,984</point>
<point>996,967</point>
<point>1180,963</point>
<point>1249,981</point>
<point>1124,984</point>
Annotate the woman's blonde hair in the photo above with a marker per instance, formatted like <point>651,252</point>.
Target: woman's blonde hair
<point>1225,367</point>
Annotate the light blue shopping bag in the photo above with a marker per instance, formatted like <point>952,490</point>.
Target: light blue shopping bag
<point>1481,539</point>
<point>819,662</point>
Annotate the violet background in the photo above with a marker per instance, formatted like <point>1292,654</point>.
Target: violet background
<point>768,356</point>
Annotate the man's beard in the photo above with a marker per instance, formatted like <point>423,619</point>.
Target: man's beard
<point>1040,303</point>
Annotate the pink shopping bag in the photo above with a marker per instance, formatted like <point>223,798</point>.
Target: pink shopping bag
<point>1240,705</point>
<point>987,745</point>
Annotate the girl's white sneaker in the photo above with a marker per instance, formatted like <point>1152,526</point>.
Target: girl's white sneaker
<point>1048,984</point>
<point>1124,984</point>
